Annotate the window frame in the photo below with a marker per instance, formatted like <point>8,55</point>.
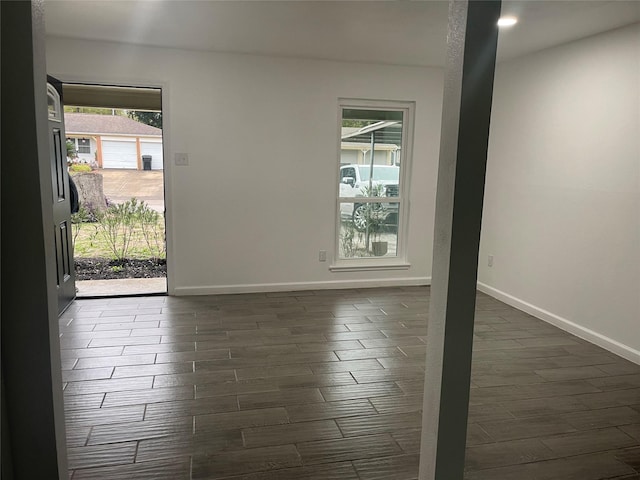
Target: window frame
<point>77,142</point>
<point>399,261</point>
<point>54,113</point>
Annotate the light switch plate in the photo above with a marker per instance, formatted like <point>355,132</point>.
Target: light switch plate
<point>181,159</point>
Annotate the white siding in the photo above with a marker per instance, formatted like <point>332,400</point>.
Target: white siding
<point>154,149</point>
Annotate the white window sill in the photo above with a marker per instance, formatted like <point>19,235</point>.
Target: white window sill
<point>362,267</point>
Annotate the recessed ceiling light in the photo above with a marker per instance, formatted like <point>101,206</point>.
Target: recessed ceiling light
<point>507,21</point>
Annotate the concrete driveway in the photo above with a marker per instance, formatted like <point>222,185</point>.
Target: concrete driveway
<point>122,185</point>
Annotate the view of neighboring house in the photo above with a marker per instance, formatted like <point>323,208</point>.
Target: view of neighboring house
<point>356,144</point>
<point>113,141</point>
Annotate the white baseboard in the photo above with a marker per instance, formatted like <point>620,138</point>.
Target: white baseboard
<point>299,286</point>
<point>596,338</point>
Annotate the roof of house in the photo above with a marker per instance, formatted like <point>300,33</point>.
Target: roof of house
<point>388,132</point>
<point>91,123</point>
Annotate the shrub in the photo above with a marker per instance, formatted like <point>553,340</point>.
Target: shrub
<point>116,226</point>
<point>78,219</point>
<point>347,241</point>
<point>151,230</point>
<point>80,167</point>
<point>71,150</point>
<point>130,221</point>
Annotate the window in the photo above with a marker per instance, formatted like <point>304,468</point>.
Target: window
<point>53,103</point>
<point>371,206</point>
<point>81,145</point>
<point>84,145</point>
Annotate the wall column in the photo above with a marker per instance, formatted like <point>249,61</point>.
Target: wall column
<point>33,413</point>
<point>99,151</point>
<point>468,91</point>
<point>139,153</point>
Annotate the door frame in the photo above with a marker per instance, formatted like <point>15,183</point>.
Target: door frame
<point>30,330</point>
<point>164,87</point>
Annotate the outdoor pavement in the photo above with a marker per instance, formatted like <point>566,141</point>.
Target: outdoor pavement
<point>121,185</point>
<point>123,286</point>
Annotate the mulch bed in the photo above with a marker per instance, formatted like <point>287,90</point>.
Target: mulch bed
<point>105,269</point>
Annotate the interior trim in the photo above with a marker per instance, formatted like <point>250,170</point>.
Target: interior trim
<point>101,96</point>
<point>584,333</point>
<point>300,286</point>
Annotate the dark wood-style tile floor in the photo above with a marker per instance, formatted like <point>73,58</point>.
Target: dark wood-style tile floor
<point>328,385</point>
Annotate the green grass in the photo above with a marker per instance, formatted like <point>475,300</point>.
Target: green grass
<point>90,242</point>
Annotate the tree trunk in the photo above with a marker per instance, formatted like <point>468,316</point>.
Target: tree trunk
<point>90,191</point>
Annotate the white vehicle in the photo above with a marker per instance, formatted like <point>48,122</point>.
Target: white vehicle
<point>354,182</point>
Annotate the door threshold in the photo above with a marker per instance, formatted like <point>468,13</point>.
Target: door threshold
<point>121,287</point>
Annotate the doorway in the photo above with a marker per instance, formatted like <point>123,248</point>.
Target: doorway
<point>114,141</point>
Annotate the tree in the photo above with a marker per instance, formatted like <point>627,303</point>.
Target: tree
<point>71,150</point>
<point>149,118</point>
<point>355,123</point>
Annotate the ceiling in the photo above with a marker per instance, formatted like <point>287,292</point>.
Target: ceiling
<point>397,32</point>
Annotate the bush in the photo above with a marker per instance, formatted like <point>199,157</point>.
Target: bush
<point>78,219</point>
<point>71,150</point>
<point>122,224</point>
<point>116,226</point>
<point>80,167</point>
<point>151,231</point>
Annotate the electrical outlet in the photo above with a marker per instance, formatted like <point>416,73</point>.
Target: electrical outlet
<point>322,255</point>
<point>490,261</point>
<point>181,159</point>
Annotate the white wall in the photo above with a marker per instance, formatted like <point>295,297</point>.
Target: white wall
<point>562,203</point>
<point>257,201</point>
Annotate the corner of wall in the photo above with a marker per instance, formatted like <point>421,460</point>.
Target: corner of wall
<point>567,325</point>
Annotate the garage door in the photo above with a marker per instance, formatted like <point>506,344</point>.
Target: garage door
<point>155,150</point>
<point>119,154</point>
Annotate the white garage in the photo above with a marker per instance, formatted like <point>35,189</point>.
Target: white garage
<point>119,154</point>
<point>155,150</point>
<point>114,141</point>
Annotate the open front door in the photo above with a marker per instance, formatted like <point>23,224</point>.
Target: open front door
<point>61,196</point>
